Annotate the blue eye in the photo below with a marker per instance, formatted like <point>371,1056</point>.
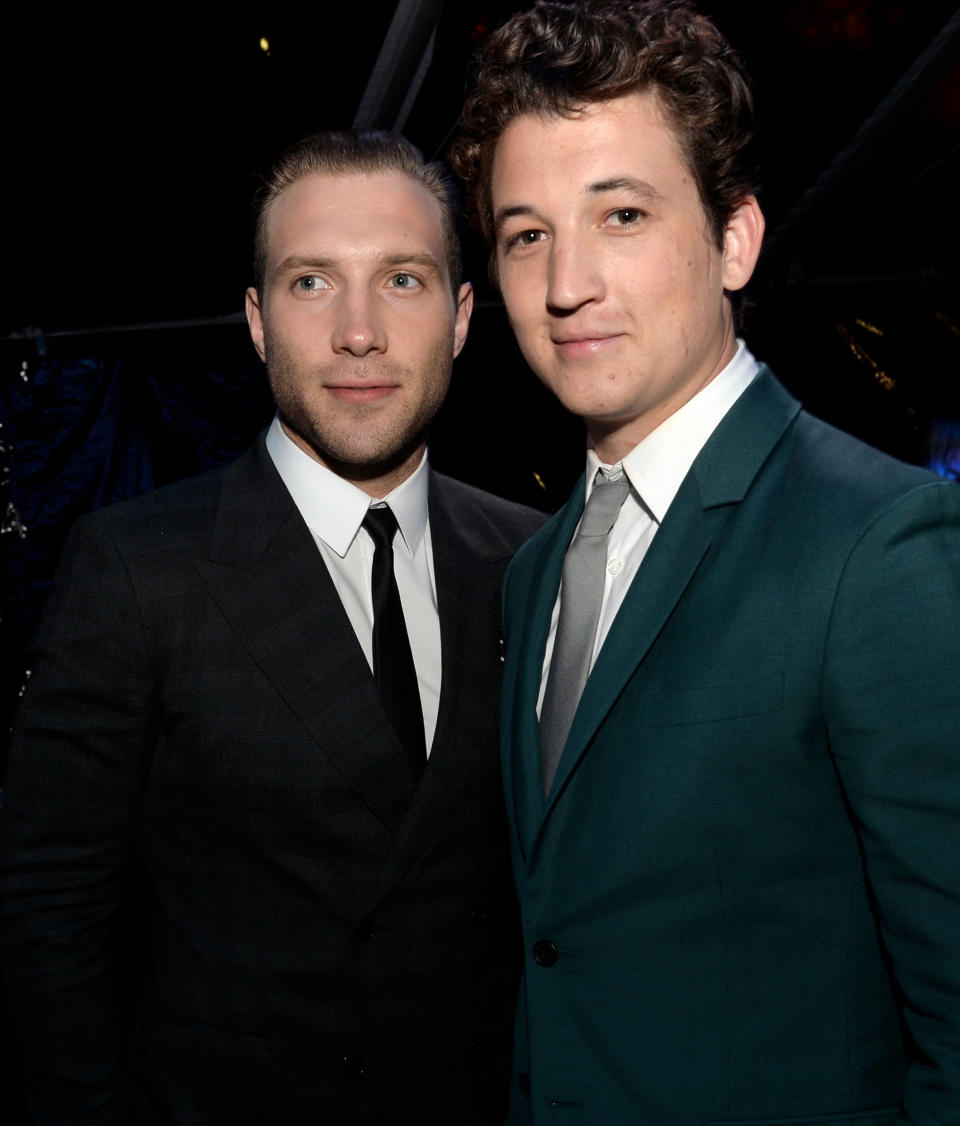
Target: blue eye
<point>405,281</point>
<point>311,283</point>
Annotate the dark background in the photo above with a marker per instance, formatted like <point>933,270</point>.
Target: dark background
<point>133,147</point>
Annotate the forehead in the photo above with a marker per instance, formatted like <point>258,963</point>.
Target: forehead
<point>626,136</point>
<point>354,214</point>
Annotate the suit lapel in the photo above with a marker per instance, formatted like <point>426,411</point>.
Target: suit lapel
<point>718,479</point>
<point>469,563</point>
<point>673,558</point>
<point>270,582</point>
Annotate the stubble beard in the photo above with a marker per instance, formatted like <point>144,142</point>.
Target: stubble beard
<point>359,441</point>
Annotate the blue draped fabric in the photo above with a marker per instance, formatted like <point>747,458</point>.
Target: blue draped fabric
<point>79,430</point>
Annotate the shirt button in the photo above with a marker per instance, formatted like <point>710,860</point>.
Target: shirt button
<point>615,566</point>
<point>545,953</point>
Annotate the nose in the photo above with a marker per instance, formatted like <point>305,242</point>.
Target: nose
<point>574,276</point>
<point>358,329</point>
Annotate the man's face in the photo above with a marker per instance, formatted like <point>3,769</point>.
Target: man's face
<point>612,281</point>
<point>356,323</point>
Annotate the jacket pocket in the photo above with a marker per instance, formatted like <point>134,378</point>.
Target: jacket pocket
<point>733,699</point>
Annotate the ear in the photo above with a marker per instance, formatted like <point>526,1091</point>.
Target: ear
<point>741,243</point>
<point>462,321</point>
<point>255,321</point>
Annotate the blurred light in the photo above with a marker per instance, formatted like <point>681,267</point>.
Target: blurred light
<point>944,448</point>
<point>265,45</point>
<point>948,324</point>
<point>887,382</point>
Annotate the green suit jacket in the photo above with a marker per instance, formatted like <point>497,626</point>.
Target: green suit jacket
<point>741,898</point>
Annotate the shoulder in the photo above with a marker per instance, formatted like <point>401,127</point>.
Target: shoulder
<point>157,538</point>
<point>833,457</point>
<point>853,483</point>
<point>194,496</point>
<point>771,452</point>
<point>181,511</point>
<point>497,522</point>
<point>773,455</point>
<point>846,512</point>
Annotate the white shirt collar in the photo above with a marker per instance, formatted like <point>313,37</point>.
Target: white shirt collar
<point>332,508</point>
<point>657,466</point>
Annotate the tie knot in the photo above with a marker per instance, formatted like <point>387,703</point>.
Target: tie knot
<point>603,506</point>
<point>381,524</point>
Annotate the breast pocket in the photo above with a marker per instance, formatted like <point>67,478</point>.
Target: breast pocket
<point>748,695</point>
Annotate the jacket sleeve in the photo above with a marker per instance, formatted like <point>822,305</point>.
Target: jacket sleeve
<point>892,704</point>
<point>68,835</point>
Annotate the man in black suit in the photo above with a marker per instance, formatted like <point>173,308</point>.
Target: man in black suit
<point>331,925</point>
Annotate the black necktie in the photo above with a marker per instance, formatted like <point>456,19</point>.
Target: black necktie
<point>393,667</point>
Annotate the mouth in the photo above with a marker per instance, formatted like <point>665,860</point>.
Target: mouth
<point>361,392</point>
<point>584,345</point>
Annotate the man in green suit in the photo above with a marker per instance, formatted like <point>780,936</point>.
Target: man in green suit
<point>732,690</point>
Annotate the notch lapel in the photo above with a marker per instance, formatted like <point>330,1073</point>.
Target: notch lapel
<point>672,560</point>
<point>269,580</point>
<point>719,479</point>
<point>469,558</point>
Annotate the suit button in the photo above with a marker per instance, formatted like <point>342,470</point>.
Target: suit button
<point>545,953</point>
<point>353,1067</point>
<point>364,931</point>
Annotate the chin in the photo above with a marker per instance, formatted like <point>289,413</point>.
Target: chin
<point>368,463</point>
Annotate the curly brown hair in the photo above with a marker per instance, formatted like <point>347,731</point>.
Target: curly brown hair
<point>558,57</point>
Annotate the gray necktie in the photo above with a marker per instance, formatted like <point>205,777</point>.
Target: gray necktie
<point>580,599</point>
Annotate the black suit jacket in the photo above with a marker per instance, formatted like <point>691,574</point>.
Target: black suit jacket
<point>327,941</point>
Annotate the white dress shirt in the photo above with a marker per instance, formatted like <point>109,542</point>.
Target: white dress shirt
<point>655,468</point>
<point>333,509</point>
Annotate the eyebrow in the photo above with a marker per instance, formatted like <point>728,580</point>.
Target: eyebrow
<point>625,184</point>
<point>506,213</point>
<point>301,261</point>
<point>630,184</point>
<point>424,261</point>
